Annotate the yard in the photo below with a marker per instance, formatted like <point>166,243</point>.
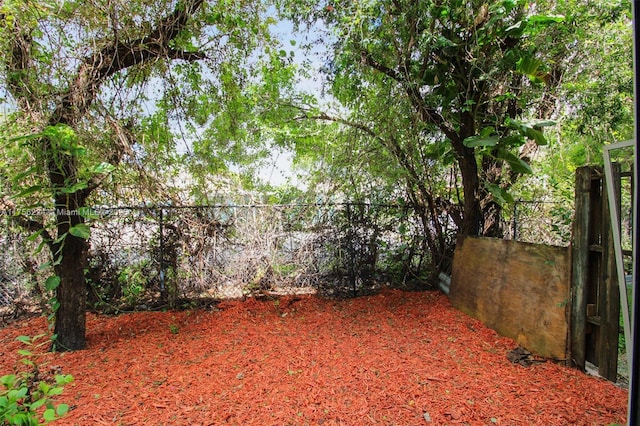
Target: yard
<point>396,358</point>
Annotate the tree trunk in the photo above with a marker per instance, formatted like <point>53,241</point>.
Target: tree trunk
<point>472,215</point>
<point>71,253</point>
<point>70,323</point>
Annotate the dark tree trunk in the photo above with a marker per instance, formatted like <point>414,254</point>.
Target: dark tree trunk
<point>472,214</point>
<point>70,324</point>
<point>70,255</point>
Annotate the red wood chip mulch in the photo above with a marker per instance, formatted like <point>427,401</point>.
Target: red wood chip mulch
<point>392,359</point>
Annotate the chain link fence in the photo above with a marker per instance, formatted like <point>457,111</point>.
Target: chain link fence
<point>152,256</point>
<point>20,262</point>
<point>539,222</point>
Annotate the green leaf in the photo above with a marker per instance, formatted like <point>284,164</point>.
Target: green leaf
<point>546,19</point>
<point>536,135</point>
<point>24,419</point>
<point>78,151</point>
<point>28,191</point>
<point>516,163</point>
<point>52,283</point>
<point>24,339</point>
<point>516,30</point>
<point>21,176</point>
<point>487,131</point>
<point>486,137</point>
<point>39,403</point>
<point>64,134</point>
<point>54,304</point>
<point>26,138</point>
<point>55,391</point>
<point>49,415</point>
<point>34,236</point>
<point>18,393</point>
<point>528,65</point>
<point>60,238</point>
<point>448,157</point>
<point>25,352</point>
<point>44,387</point>
<point>63,379</point>
<point>541,123</point>
<point>514,140</point>
<point>28,361</point>
<point>8,380</point>
<point>530,129</point>
<point>62,409</point>
<point>102,168</point>
<point>402,229</point>
<point>80,230</point>
<point>499,195</point>
<point>74,188</point>
<point>476,141</point>
<point>504,97</point>
<point>58,259</point>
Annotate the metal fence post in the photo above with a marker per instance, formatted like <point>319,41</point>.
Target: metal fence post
<point>515,221</point>
<point>161,260</point>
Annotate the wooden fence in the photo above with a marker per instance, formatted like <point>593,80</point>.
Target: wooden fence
<point>560,303</point>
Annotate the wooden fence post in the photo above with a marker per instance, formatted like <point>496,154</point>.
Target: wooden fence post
<point>580,269</point>
<point>609,299</point>
<point>595,297</point>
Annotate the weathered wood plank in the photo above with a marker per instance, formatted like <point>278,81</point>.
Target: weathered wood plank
<point>579,260</point>
<point>607,350</point>
<point>521,290</point>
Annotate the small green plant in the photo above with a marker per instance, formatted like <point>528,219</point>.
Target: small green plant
<point>27,397</point>
<point>174,329</point>
<point>133,282</point>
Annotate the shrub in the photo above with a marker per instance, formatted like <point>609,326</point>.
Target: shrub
<point>27,397</point>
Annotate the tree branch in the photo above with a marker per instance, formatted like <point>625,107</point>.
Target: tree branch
<point>92,73</point>
<point>122,145</point>
<point>34,226</point>
<point>19,81</point>
<point>326,117</point>
<point>427,114</point>
<point>122,55</point>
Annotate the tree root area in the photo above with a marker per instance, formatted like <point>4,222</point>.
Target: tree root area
<point>396,358</point>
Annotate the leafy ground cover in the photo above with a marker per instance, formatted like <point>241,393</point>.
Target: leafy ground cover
<point>396,358</point>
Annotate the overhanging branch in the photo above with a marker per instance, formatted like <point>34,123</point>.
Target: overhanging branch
<point>427,114</point>
<point>326,117</point>
<point>121,55</point>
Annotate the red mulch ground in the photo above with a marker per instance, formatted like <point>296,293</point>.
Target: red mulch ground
<point>386,359</point>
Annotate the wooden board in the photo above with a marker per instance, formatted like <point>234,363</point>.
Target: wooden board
<point>521,290</point>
